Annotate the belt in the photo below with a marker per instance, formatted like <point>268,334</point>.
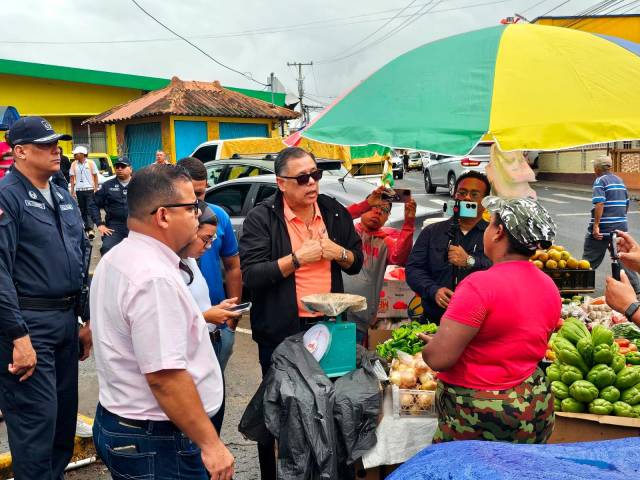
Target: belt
<point>84,189</point>
<point>47,304</point>
<point>158,426</point>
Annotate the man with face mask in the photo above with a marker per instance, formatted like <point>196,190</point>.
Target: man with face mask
<point>112,197</point>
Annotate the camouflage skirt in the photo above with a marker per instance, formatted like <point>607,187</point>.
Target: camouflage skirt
<point>522,414</point>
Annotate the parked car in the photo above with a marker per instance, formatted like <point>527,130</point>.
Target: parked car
<point>442,171</point>
<point>239,196</point>
<point>241,167</point>
<point>396,165</point>
<point>415,161</point>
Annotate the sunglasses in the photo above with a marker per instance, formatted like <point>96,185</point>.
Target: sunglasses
<point>208,241</point>
<point>193,206</point>
<point>304,178</point>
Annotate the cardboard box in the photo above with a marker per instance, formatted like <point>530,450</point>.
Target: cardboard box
<point>397,300</point>
<point>586,427</point>
<point>378,336</point>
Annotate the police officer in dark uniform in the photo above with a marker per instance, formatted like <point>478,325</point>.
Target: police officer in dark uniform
<point>112,197</point>
<point>42,241</point>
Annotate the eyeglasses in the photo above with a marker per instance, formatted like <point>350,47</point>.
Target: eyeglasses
<point>384,209</point>
<point>193,206</point>
<point>304,178</point>
<point>472,194</point>
<point>208,241</point>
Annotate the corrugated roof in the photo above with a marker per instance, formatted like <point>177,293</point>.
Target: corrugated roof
<point>190,98</point>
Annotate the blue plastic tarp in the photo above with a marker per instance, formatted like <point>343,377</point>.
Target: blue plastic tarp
<point>477,460</point>
<point>8,116</point>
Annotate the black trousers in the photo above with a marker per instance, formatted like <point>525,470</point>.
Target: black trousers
<point>120,232</point>
<point>266,451</point>
<point>85,198</point>
<point>41,411</point>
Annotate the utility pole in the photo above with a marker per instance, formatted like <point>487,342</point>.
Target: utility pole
<point>305,118</point>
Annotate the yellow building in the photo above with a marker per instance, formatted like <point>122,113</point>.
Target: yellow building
<point>67,96</point>
<point>574,165</point>
<point>184,114</point>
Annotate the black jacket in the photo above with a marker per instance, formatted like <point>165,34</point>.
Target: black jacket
<point>265,239</point>
<point>428,268</point>
<point>112,197</point>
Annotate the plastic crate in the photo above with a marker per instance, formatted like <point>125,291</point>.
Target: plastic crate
<point>573,281</point>
<point>422,404</point>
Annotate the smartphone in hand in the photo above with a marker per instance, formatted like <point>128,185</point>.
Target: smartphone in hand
<point>397,195</point>
<point>241,308</point>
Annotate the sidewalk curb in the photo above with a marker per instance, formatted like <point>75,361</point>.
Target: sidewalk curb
<point>82,448</point>
<point>633,194</point>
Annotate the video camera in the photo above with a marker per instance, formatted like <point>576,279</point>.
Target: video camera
<point>460,209</point>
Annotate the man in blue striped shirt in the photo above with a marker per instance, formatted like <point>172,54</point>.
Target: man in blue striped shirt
<point>610,205</point>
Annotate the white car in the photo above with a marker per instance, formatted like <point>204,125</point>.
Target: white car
<point>415,161</point>
<point>443,171</point>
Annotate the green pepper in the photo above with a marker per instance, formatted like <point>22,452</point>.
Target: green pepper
<point>583,391</point>
<point>633,358</point>
<point>622,409</point>
<point>601,335</point>
<point>560,390</point>
<point>611,394</point>
<point>636,409</point>
<point>569,374</point>
<point>601,375</point>
<point>572,405</point>
<point>602,353</point>
<point>618,362</point>
<point>631,395</point>
<point>567,353</point>
<point>599,406</point>
<point>553,372</point>
<point>585,348</point>
<point>627,377</point>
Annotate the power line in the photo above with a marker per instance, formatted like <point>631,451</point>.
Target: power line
<point>554,8</point>
<point>533,6</point>
<point>336,22</point>
<point>248,76</point>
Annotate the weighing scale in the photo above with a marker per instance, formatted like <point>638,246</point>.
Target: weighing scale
<point>333,342</point>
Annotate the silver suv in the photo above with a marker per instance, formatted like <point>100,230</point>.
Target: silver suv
<point>443,171</point>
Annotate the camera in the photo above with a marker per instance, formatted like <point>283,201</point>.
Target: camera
<point>460,209</point>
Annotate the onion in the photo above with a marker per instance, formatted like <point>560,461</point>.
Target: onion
<point>408,378</point>
<point>406,400</point>
<point>425,378</point>
<point>421,367</point>
<point>395,378</point>
<point>425,402</point>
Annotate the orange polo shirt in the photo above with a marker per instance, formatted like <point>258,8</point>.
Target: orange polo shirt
<point>312,277</point>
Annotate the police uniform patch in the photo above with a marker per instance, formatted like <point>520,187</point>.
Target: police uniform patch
<point>30,203</point>
<point>66,206</point>
<point>59,195</point>
<point>32,194</point>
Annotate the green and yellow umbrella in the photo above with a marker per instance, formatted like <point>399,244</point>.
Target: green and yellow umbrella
<point>528,87</point>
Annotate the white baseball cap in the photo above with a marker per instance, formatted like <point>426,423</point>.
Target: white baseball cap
<point>80,149</point>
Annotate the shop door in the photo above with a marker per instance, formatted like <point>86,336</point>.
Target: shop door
<point>240,130</point>
<point>142,142</point>
<point>188,136</point>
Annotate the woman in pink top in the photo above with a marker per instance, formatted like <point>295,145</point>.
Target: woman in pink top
<point>494,333</point>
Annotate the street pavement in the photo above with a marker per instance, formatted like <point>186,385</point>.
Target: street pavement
<point>569,206</point>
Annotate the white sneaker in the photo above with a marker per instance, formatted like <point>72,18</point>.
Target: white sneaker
<point>83,429</point>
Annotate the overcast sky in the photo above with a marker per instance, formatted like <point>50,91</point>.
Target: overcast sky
<point>249,35</point>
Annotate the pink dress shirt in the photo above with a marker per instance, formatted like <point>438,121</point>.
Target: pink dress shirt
<point>144,320</point>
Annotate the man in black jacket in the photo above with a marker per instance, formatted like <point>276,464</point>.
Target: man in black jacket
<point>435,259</point>
<point>293,244</point>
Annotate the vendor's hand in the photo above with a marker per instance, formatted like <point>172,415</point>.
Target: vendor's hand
<point>24,358</point>
<point>309,252</point>
<point>410,210</point>
<point>629,251</point>
<point>619,294</point>
<point>425,338</point>
<point>104,230</point>
<point>595,233</point>
<point>443,297</point>
<point>457,256</point>
<point>86,339</point>
<point>375,197</point>
<point>330,250</point>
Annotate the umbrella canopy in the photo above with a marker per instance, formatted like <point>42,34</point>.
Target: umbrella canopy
<point>529,87</point>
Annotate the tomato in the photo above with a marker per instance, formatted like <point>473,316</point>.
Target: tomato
<point>633,347</point>
<point>623,342</point>
<point>623,350</point>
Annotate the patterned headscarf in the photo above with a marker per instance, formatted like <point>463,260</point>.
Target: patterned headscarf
<point>525,219</point>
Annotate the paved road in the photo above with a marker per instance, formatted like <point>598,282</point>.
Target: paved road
<point>570,208</point>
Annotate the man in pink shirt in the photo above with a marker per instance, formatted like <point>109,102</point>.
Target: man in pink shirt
<point>160,382</point>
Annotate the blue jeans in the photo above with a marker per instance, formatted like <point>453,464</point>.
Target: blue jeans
<point>224,348</point>
<point>145,450</point>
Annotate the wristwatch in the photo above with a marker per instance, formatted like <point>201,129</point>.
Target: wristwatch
<point>471,261</point>
<point>344,255</point>
<point>295,261</point>
<point>631,310</point>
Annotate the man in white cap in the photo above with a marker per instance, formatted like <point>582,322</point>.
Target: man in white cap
<point>610,206</point>
<point>84,184</point>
